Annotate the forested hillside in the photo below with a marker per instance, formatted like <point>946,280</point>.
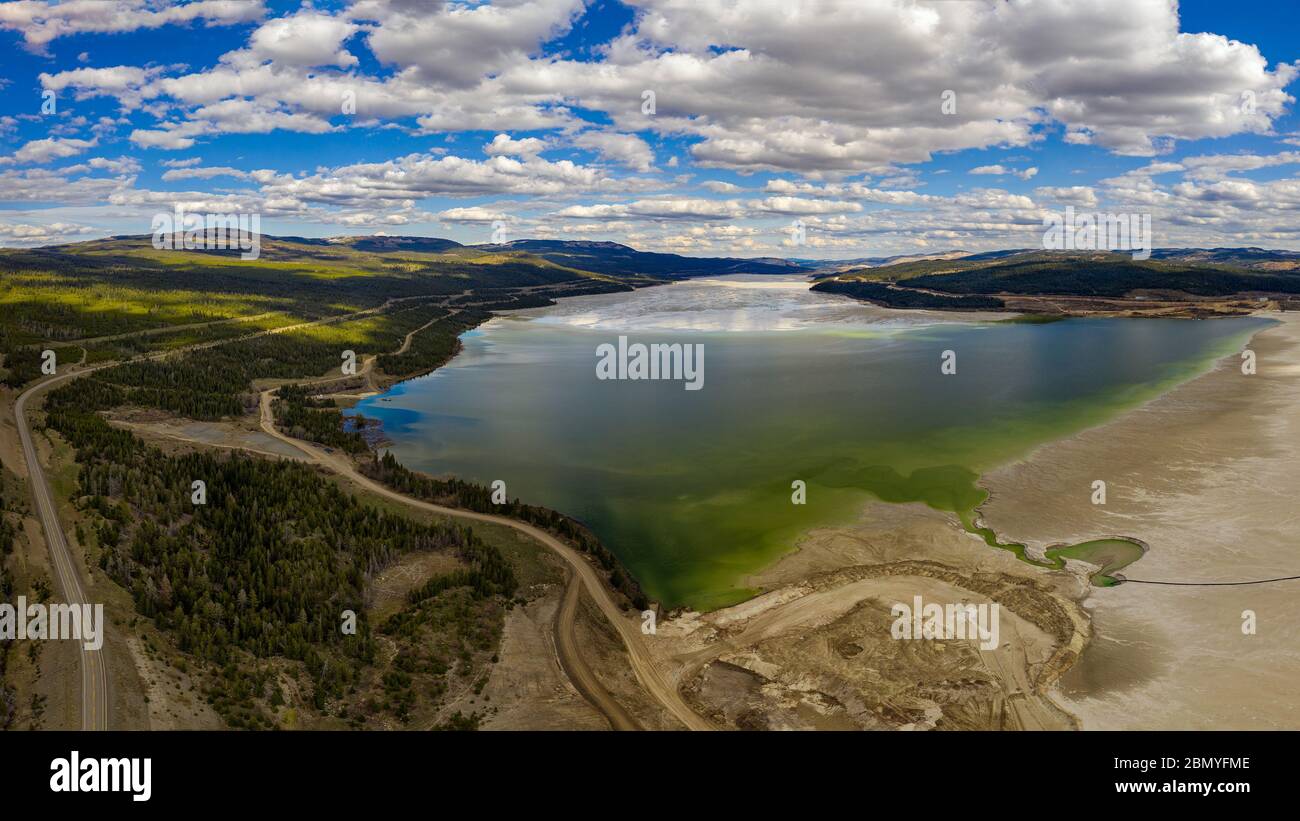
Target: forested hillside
<point>1079,274</point>
<point>1182,282</point>
<point>248,589</point>
<point>264,568</point>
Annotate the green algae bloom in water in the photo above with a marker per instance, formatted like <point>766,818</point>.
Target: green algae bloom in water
<point>692,489</point>
<point>953,488</point>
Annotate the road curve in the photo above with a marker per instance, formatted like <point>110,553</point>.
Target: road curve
<point>575,667</point>
<point>94,675</point>
<point>95,704</point>
<point>647,672</point>
<point>94,671</point>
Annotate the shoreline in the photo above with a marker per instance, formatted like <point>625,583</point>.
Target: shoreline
<point>1203,475</point>
<point>938,317</point>
<point>826,592</point>
<point>1040,550</point>
<point>887,536</point>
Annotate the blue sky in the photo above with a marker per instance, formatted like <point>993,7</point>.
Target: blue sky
<point>530,120</point>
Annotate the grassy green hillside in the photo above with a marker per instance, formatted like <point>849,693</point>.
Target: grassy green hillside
<point>123,286</point>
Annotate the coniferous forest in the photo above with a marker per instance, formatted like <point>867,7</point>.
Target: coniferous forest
<point>254,584</point>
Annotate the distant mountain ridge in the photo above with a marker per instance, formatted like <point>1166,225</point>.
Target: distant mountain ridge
<point>1248,257</point>
<point>823,266</point>
<point>609,259</point>
<point>612,259</point>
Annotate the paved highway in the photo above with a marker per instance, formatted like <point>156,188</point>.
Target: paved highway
<point>94,674</point>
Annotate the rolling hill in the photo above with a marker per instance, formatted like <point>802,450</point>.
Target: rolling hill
<point>620,260</point>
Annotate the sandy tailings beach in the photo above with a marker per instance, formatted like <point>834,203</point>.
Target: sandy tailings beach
<point>1208,477</point>
<point>816,651</point>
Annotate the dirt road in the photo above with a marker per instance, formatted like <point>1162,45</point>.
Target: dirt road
<point>95,340</point>
<point>95,700</point>
<point>94,675</point>
<point>575,666</point>
<point>643,665</point>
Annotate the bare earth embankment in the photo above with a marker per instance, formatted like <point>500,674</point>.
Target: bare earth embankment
<point>816,650</point>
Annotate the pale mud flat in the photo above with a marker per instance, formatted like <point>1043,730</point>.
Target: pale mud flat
<point>1208,476</point>
<point>816,650</point>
